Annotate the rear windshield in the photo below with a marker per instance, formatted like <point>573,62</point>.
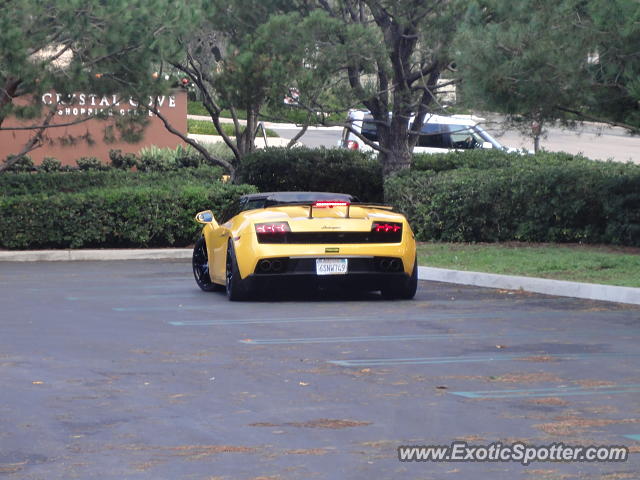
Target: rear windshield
<point>370,129</point>
<point>283,198</point>
<point>434,135</point>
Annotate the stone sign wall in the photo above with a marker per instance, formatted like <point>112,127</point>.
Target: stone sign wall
<point>67,143</point>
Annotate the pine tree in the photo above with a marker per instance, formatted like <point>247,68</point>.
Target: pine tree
<point>89,45</point>
<point>547,60</point>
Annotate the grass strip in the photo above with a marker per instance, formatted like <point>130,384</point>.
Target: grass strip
<point>286,115</point>
<point>609,265</point>
<point>203,127</point>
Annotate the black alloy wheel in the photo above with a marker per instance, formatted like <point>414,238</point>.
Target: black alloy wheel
<point>200,263</point>
<point>404,289</point>
<point>237,288</point>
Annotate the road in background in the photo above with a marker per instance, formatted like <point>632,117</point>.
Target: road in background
<point>596,142</point>
<point>599,142</point>
<point>126,370</point>
<point>314,137</point>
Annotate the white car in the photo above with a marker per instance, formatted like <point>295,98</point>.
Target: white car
<point>439,133</point>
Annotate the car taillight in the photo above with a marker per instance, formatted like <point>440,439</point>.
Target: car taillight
<point>386,227</point>
<point>352,145</point>
<point>272,232</point>
<point>330,204</point>
<point>272,228</point>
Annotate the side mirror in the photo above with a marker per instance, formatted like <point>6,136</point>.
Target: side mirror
<point>205,217</point>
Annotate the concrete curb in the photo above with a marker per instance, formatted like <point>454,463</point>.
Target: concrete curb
<point>96,255</point>
<point>589,291</point>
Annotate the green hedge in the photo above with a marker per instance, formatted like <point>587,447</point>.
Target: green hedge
<point>148,159</point>
<point>323,170</point>
<point>483,159</point>
<point>548,198</point>
<point>140,216</point>
<point>78,181</point>
<point>476,196</point>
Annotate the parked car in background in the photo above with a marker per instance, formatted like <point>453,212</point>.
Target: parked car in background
<point>439,133</point>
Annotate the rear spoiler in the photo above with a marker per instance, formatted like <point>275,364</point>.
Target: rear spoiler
<point>331,204</point>
<point>373,205</point>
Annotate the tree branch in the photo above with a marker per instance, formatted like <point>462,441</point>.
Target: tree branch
<point>633,129</point>
<point>8,93</point>
<point>223,163</point>
<point>423,72</point>
<point>32,144</point>
<point>423,108</point>
<point>55,125</point>
<point>297,136</point>
<point>212,108</point>
<point>365,140</point>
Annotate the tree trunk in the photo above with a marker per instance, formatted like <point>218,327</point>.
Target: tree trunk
<point>536,144</point>
<point>536,132</point>
<point>395,160</point>
<point>247,141</point>
<point>396,152</point>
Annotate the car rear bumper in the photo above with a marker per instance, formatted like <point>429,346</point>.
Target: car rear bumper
<point>309,281</point>
<point>357,265</point>
<point>370,273</point>
<point>249,255</point>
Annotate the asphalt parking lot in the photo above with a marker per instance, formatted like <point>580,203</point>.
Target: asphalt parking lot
<point>125,370</point>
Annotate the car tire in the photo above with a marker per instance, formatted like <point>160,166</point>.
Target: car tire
<point>237,289</point>
<point>200,264</point>
<point>405,289</point>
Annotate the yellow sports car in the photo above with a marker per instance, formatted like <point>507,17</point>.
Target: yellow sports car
<point>308,238</point>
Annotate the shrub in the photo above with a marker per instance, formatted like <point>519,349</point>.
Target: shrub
<point>91,163</point>
<point>220,150</point>
<point>187,157</point>
<point>23,164</point>
<point>121,217</point>
<point>51,183</point>
<point>50,164</point>
<point>483,159</point>
<point>551,198</point>
<point>122,161</point>
<point>155,159</point>
<point>302,169</point>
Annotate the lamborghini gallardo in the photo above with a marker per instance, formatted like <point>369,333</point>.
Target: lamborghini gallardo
<point>308,239</point>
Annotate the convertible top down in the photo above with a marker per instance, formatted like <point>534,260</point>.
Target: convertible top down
<point>265,240</point>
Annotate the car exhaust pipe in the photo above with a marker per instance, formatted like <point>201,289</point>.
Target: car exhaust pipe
<point>276,266</point>
<point>265,266</point>
<point>384,265</point>
<point>394,265</point>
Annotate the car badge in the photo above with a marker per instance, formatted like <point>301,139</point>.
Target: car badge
<point>331,250</point>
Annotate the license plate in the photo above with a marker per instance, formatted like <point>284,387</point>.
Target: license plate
<point>331,266</point>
